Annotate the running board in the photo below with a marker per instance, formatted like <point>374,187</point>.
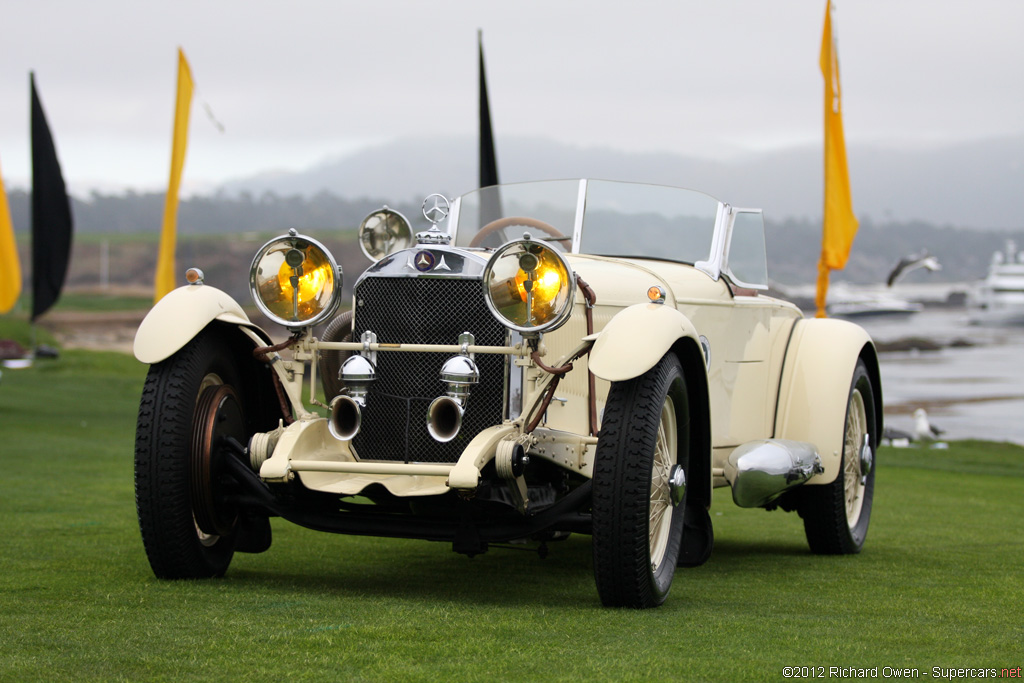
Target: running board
<point>761,471</point>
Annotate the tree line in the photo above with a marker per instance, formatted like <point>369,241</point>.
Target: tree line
<point>793,244</point>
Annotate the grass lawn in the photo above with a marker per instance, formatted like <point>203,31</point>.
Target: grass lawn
<point>939,582</point>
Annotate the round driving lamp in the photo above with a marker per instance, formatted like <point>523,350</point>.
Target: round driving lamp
<point>295,281</point>
<point>529,286</point>
<point>384,232</point>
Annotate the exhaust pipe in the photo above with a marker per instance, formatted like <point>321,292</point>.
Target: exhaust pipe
<point>444,418</point>
<point>346,417</point>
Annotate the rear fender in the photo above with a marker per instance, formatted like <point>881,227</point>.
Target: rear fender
<point>815,387</point>
<point>182,314</point>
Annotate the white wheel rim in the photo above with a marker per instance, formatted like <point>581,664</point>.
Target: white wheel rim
<point>856,430</point>
<point>660,509</point>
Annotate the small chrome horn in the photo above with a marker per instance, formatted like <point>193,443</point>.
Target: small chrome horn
<point>460,373</point>
<point>357,372</point>
<point>444,418</point>
<point>346,417</point>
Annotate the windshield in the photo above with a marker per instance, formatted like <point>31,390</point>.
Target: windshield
<point>629,219</point>
<point>618,219</point>
<point>489,217</point>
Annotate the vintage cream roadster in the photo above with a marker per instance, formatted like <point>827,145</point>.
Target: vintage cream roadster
<point>556,357</point>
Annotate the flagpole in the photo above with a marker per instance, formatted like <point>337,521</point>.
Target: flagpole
<point>163,281</point>
<point>839,224</point>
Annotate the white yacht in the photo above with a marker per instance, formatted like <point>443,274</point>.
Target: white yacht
<point>999,298</point>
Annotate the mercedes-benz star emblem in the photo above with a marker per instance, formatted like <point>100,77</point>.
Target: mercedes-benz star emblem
<point>436,208</point>
<point>424,261</point>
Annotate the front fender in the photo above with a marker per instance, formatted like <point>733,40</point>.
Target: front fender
<point>636,339</point>
<point>816,384</point>
<point>181,315</point>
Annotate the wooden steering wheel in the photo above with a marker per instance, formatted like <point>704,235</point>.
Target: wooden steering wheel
<point>508,221</point>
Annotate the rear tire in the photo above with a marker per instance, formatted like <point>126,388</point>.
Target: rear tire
<point>190,404</point>
<point>836,515</point>
<point>637,529</point>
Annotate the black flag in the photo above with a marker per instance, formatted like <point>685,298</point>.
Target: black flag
<point>51,215</point>
<point>490,198</point>
<point>488,162</point>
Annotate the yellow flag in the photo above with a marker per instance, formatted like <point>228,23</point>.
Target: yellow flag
<point>165,266</point>
<point>839,223</point>
<point>10,266</point>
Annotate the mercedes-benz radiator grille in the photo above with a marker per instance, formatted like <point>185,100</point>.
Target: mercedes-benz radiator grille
<point>412,310</point>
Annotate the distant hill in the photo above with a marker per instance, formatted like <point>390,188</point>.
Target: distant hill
<point>971,185</point>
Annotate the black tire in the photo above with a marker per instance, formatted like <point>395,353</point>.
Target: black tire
<point>833,525</point>
<point>632,568</point>
<point>339,330</point>
<point>176,491</point>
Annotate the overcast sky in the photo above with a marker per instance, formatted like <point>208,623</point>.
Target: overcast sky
<point>297,82</point>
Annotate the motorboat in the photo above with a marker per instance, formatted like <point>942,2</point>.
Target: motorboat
<point>999,298</point>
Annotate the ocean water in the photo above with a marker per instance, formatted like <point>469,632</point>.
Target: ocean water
<point>974,391</point>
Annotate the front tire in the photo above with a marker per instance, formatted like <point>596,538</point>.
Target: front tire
<point>637,509</point>
<point>190,405</point>
<point>836,515</point>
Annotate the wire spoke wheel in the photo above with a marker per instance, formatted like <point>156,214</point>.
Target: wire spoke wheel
<point>660,523</point>
<point>639,493</point>
<point>836,515</point>
<point>853,477</point>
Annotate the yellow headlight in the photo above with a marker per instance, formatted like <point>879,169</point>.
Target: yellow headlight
<point>529,286</point>
<point>295,281</point>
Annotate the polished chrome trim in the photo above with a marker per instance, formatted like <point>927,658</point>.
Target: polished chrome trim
<point>433,236</point>
<point>561,317</point>
<point>327,311</point>
<point>581,207</point>
<point>867,459</point>
<point>520,350</point>
<point>733,212</point>
<point>453,219</point>
<point>713,266</point>
<point>459,373</point>
<point>677,484</point>
<point>760,471</point>
<point>660,299</point>
<point>361,232</point>
<point>459,264</point>
<point>436,213</point>
<point>346,417</point>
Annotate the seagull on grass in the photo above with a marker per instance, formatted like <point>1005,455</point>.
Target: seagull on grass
<point>925,431</point>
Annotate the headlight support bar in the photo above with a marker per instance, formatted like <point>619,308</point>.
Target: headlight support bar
<point>517,350</point>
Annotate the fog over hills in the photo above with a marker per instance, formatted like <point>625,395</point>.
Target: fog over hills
<point>971,184</point>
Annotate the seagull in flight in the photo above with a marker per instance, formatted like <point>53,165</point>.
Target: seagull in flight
<point>913,262</point>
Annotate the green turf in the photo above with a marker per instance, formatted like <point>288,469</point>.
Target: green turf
<point>938,584</point>
<point>102,302</point>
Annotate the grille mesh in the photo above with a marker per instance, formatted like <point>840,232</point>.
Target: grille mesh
<point>412,310</point>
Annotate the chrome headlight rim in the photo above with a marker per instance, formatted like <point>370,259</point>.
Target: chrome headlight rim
<point>560,317</point>
<point>403,238</point>
<point>326,312</point>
